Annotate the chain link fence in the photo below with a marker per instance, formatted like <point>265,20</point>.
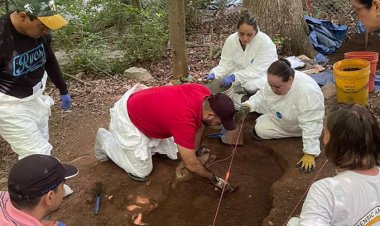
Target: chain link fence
<point>338,11</point>
<point>223,15</point>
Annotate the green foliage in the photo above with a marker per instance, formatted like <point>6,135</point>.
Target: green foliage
<point>279,42</point>
<point>2,7</point>
<point>99,29</point>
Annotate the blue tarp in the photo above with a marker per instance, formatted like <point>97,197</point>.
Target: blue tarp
<point>325,36</point>
<point>377,82</point>
<point>324,77</point>
<point>360,27</point>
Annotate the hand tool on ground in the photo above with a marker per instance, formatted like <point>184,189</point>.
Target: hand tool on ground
<point>99,190</point>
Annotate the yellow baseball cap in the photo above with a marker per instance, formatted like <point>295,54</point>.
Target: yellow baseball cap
<point>44,10</point>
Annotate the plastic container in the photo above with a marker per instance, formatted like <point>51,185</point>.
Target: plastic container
<point>372,57</point>
<point>351,79</point>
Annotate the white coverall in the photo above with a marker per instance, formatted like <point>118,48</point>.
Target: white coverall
<point>249,66</point>
<point>24,122</point>
<point>125,145</point>
<point>349,198</point>
<point>298,113</point>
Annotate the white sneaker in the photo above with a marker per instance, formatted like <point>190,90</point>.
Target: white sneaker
<point>68,190</point>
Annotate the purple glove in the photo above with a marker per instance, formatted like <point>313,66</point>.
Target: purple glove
<point>227,81</point>
<point>66,102</point>
<point>209,77</point>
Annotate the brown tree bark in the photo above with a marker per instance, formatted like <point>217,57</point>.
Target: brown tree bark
<point>283,18</point>
<point>177,29</point>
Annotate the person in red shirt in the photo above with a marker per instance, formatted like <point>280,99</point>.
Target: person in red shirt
<point>164,120</point>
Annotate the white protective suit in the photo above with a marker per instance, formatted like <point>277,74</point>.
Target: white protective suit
<point>24,122</point>
<point>125,145</point>
<point>349,198</point>
<point>250,65</point>
<point>298,113</point>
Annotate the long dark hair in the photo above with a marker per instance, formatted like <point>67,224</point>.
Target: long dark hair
<point>281,68</point>
<point>354,137</point>
<point>247,18</point>
<point>366,3</point>
<point>6,6</point>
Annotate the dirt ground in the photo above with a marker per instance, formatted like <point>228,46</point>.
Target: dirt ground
<point>270,188</point>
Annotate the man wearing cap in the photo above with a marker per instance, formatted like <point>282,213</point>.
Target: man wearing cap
<point>163,120</point>
<point>26,60</point>
<point>34,195</point>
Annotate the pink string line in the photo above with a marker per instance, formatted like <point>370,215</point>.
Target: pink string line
<point>228,171</point>
<point>320,170</point>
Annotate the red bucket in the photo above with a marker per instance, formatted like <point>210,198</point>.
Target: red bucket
<point>372,57</point>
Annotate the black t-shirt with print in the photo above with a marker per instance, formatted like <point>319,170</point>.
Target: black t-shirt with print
<point>23,61</point>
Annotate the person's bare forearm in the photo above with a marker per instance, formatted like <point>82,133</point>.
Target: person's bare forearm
<point>198,137</point>
<point>193,164</point>
<point>199,169</point>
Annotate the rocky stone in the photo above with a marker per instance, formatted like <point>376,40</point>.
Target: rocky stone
<point>140,74</point>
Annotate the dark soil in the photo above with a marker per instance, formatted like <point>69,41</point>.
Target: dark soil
<point>270,188</point>
<point>351,69</point>
<point>357,43</point>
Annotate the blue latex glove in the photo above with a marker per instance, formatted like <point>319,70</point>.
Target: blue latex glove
<point>227,81</point>
<point>209,77</point>
<point>60,223</point>
<point>66,102</point>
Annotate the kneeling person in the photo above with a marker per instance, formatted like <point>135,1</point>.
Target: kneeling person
<point>292,105</point>
<point>163,120</point>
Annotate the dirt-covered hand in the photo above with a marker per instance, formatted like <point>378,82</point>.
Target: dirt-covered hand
<point>219,183</point>
<point>202,150</point>
<point>306,163</point>
<point>244,109</point>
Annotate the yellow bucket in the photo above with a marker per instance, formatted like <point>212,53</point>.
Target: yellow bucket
<point>351,79</point>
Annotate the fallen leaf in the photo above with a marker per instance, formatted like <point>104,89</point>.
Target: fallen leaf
<point>142,200</point>
<point>138,220</point>
<point>133,207</point>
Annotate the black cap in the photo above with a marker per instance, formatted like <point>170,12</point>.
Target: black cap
<point>224,108</point>
<point>36,175</point>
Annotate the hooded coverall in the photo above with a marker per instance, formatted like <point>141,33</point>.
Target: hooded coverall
<point>249,66</point>
<point>298,113</point>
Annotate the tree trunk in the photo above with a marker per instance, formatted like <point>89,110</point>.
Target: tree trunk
<point>177,29</point>
<point>283,19</point>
